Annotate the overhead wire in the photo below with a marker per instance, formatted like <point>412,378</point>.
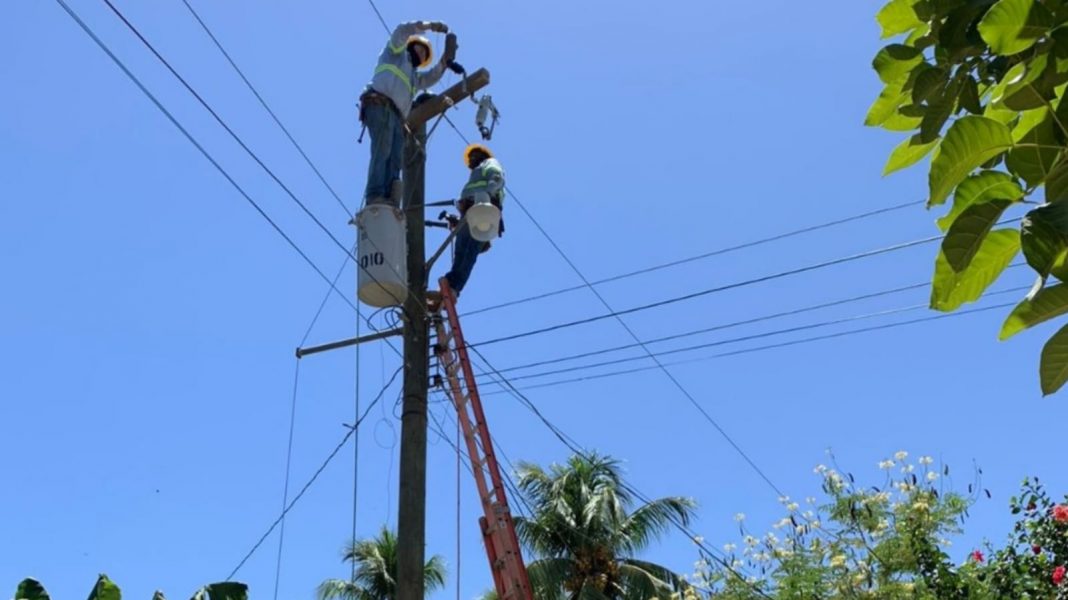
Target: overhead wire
<point>847,333</point>
<point>207,155</point>
<point>307,211</point>
<point>735,340</point>
<point>723,327</point>
<point>718,252</point>
<point>578,450</point>
<point>692,348</point>
<point>285,486</point>
<point>618,316</point>
<point>266,107</point>
<point>330,457</point>
<point>713,290</point>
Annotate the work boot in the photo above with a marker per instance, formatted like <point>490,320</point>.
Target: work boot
<point>396,195</point>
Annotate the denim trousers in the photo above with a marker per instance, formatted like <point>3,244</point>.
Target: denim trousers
<point>387,150</point>
<point>465,253</point>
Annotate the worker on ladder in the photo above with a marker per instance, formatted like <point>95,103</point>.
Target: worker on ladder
<point>387,101</point>
<point>486,184</point>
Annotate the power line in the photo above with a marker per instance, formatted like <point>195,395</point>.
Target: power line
<point>808,340</point>
<point>574,447</point>
<point>382,20</point>
<point>716,343</point>
<point>714,290</point>
<point>724,326</point>
<point>234,135</point>
<point>174,121</point>
<point>702,256</point>
<point>285,486</point>
<point>118,62</point>
<point>351,430</point>
<point>757,336</point>
<point>263,103</point>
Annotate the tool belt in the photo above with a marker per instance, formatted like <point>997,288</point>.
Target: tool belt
<point>372,97</point>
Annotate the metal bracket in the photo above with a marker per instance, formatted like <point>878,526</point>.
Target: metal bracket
<point>302,352</point>
<point>486,109</point>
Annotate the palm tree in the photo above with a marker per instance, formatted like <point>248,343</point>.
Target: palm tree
<point>585,536</point>
<point>376,571</point>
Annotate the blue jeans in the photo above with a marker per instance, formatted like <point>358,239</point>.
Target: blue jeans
<point>464,256</point>
<point>387,150</point>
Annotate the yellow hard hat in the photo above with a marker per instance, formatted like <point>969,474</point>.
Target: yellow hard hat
<point>419,39</point>
<point>472,148</point>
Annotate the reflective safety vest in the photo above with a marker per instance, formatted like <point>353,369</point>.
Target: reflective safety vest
<point>487,177</point>
<point>395,76</point>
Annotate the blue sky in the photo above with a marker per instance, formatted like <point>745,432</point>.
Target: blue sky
<point>150,315</point>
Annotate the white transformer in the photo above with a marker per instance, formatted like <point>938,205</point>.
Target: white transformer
<point>381,252</point>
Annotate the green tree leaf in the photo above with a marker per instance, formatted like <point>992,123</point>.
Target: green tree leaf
<point>31,589</point>
<point>226,590</point>
<point>900,122</point>
<point>1036,154</point>
<point>951,289</point>
<point>898,17</point>
<point>981,187</point>
<point>968,232</point>
<point>1033,89</point>
<point>969,96</point>
<point>929,81</point>
<point>1057,183</point>
<point>908,153</point>
<point>939,110</point>
<point>105,589</point>
<point>1044,237</point>
<point>896,61</point>
<point>970,142</point>
<point>1048,303</point>
<point>893,96</point>
<point>1053,368</point>
<point>1026,121</point>
<point>1012,26</point>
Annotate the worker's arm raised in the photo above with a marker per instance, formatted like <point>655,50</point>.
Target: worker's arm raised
<point>426,80</point>
<point>401,33</point>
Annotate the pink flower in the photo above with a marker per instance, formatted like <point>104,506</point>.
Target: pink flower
<point>1060,513</point>
<point>977,556</point>
<point>1058,575</point>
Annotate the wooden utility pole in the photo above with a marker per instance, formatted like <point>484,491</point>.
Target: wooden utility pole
<point>411,506</point>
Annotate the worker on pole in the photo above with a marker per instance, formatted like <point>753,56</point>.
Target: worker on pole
<point>387,101</point>
<point>486,183</point>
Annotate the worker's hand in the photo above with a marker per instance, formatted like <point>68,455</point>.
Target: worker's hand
<point>450,49</point>
<point>439,27</point>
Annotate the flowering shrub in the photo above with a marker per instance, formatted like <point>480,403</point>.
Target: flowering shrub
<point>890,541</point>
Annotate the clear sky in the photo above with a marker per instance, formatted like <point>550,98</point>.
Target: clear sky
<point>149,315</point>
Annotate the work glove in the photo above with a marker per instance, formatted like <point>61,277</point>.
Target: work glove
<point>450,49</point>
<point>438,27</point>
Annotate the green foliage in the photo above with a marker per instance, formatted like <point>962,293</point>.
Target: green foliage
<point>31,589</point>
<point>376,571</point>
<point>105,589</point>
<point>951,288</point>
<point>227,590</point>
<point>585,533</point>
<point>979,85</point>
<point>891,541</point>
